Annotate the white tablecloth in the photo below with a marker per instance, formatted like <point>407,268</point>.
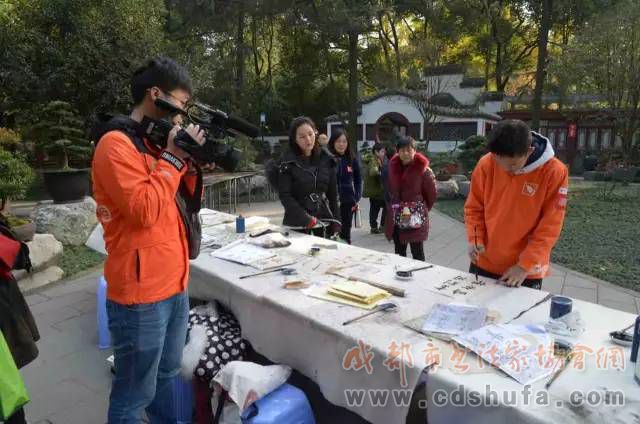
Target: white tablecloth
<point>600,374</point>
<point>307,333</point>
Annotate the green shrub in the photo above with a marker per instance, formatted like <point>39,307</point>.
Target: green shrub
<point>471,151</point>
<point>10,140</point>
<point>15,176</point>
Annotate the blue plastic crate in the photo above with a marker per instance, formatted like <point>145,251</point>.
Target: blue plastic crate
<point>285,405</point>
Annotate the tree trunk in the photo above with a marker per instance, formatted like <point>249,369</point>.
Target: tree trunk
<point>487,63</point>
<point>384,40</point>
<point>498,74</point>
<point>385,50</point>
<point>65,160</point>
<point>498,70</point>
<point>255,49</point>
<point>269,55</point>
<point>396,50</point>
<point>543,38</point>
<point>240,55</point>
<point>353,89</point>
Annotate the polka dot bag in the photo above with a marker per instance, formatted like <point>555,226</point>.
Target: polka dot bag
<point>224,342</point>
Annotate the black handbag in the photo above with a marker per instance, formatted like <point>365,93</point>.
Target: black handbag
<point>189,206</point>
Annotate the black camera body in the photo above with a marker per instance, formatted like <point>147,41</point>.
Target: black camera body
<point>217,125</point>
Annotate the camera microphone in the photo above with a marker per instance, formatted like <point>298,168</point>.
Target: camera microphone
<point>230,122</point>
<point>244,127</point>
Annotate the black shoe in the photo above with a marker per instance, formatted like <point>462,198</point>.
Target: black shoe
<point>376,231</point>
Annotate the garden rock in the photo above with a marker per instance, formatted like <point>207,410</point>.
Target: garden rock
<point>596,176</point>
<point>447,190</point>
<point>44,251</point>
<point>625,174</point>
<point>70,223</point>
<point>258,185</point>
<point>459,178</point>
<point>464,187</point>
<point>589,175</point>
<point>38,279</point>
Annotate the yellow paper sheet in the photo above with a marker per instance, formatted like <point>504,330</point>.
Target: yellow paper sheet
<point>366,301</point>
<point>321,293</point>
<point>359,291</point>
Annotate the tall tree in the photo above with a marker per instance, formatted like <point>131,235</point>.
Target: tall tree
<point>541,67</point>
<point>389,37</point>
<point>82,52</point>
<point>605,58</point>
<point>504,31</point>
<point>345,20</point>
<point>568,18</point>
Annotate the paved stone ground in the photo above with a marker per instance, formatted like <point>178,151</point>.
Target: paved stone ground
<point>69,383</point>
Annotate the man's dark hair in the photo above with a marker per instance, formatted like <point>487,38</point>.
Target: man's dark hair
<point>160,72</point>
<point>293,129</point>
<point>511,138</point>
<point>335,135</point>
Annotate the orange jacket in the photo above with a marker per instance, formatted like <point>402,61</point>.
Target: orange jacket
<point>146,242</point>
<point>519,217</point>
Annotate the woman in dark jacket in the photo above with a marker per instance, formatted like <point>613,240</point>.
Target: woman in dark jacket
<point>307,179</point>
<point>412,189</point>
<point>349,180</point>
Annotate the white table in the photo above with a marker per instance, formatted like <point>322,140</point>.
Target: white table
<point>307,334</point>
<point>596,378</point>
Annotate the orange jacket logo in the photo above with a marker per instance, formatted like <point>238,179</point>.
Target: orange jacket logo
<point>529,189</point>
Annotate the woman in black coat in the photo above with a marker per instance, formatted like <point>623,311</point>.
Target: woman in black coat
<point>307,179</point>
<point>349,180</point>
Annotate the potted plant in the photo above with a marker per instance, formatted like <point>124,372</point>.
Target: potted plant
<point>16,177</point>
<point>451,168</point>
<point>10,140</point>
<point>471,151</point>
<point>443,175</point>
<point>59,136</point>
<point>590,162</point>
<point>439,163</point>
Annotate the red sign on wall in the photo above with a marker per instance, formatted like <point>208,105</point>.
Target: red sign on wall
<point>572,130</point>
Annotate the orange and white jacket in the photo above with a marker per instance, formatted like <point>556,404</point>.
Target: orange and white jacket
<point>518,218</point>
<point>145,238</point>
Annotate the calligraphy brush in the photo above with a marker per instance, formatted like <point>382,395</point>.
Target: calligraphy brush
<point>475,241</point>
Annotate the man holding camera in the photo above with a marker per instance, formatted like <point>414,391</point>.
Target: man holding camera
<point>137,185</point>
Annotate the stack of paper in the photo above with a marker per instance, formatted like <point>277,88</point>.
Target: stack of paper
<point>515,349</point>
<point>358,292</point>
<point>352,293</point>
<point>209,217</point>
<point>453,319</point>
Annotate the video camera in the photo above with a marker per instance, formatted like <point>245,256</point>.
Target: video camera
<point>217,125</point>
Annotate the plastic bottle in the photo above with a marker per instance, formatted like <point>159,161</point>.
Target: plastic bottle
<point>240,224</point>
<point>636,340</point>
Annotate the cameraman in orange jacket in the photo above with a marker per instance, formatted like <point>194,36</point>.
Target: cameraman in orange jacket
<point>135,185</point>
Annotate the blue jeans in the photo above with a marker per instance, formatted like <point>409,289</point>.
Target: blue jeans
<point>147,341</point>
